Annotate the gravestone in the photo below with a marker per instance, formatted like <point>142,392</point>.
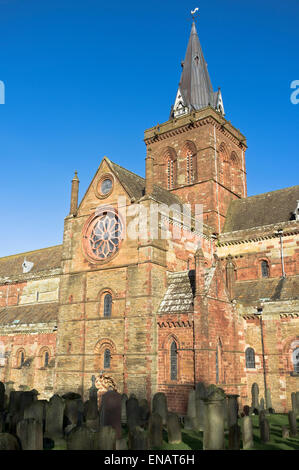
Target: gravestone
<point>285,432</point>
<point>144,412</point>
<point>268,399</point>
<point>174,429</point>
<point>294,402</point>
<point>191,421</point>
<point>124,400</point>
<point>121,444</point>
<point>265,431</point>
<point>246,410</point>
<point>111,411</point>
<point>262,416</point>
<point>36,411</point>
<point>91,411</point>
<point>297,403</point>
<point>14,410</point>
<point>232,410</point>
<point>155,430</point>
<point>213,438</point>
<point>160,406</point>
<point>106,438</point>
<point>2,396</point>
<point>138,439</point>
<point>30,433</point>
<point>247,432</point>
<point>54,417</point>
<point>292,423</point>
<point>234,437</point>
<point>73,410</point>
<point>200,395</point>
<point>8,442</point>
<point>262,405</point>
<point>132,407</point>
<point>81,438</point>
<point>255,397</point>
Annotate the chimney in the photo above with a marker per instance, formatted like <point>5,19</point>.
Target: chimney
<point>149,173</point>
<point>74,195</point>
<point>230,276</point>
<point>199,272</point>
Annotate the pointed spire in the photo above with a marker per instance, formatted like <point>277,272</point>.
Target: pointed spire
<point>195,88</point>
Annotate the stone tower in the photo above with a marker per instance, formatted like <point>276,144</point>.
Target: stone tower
<point>198,155</point>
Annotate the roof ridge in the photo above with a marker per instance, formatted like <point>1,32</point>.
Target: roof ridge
<point>264,194</point>
<point>29,252</point>
<point>128,171</point>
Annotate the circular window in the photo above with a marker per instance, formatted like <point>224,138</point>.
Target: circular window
<point>104,186</point>
<point>103,235</point>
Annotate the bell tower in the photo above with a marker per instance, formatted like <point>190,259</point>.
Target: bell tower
<point>197,153</point>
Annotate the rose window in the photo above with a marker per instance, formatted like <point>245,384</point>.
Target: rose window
<point>104,235</point>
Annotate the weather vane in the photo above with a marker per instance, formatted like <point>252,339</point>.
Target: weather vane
<point>193,12</point>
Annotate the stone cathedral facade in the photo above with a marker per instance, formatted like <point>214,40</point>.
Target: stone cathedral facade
<point>150,313</point>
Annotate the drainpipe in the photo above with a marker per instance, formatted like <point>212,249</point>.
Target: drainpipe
<point>259,313</point>
<point>280,233</point>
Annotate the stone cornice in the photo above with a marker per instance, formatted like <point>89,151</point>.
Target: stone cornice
<point>30,276</point>
<point>29,329</point>
<point>256,234</point>
<point>193,120</point>
<point>175,324</point>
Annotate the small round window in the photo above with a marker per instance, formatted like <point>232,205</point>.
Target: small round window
<point>105,186</point>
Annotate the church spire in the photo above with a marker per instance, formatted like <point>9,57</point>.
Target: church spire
<point>195,88</point>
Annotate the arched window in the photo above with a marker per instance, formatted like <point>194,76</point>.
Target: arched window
<point>170,174</point>
<point>107,359</point>
<point>173,361</point>
<point>46,359</point>
<point>295,358</point>
<point>107,305</point>
<point>250,358</point>
<point>265,268</point>
<point>21,358</point>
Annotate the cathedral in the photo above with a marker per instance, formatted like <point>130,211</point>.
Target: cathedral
<point>143,296</point>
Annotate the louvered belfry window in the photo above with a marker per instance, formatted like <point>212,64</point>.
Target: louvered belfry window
<point>107,359</point>
<point>107,305</point>
<point>173,361</point>
<point>250,358</point>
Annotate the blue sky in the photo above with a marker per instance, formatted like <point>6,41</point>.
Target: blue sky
<point>84,79</point>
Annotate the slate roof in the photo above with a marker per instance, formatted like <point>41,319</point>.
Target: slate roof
<point>271,289</point>
<point>44,259</point>
<point>25,314</point>
<point>264,209</point>
<point>195,85</point>
<point>179,295</point>
<point>135,186</point>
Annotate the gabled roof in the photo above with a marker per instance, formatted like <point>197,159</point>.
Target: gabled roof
<point>27,314</point>
<point>43,259</point>
<point>179,295</point>
<point>135,186</point>
<point>264,209</point>
<point>271,289</point>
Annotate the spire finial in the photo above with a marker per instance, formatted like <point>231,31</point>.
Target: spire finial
<point>193,13</point>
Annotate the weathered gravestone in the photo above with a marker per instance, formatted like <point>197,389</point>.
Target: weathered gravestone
<point>262,416</point>
<point>246,410</point>
<point>36,410</point>
<point>200,395</point>
<point>111,411</point>
<point>191,421</point>
<point>174,429</point>
<point>155,430</point>
<point>292,423</point>
<point>160,406</point>
<point>124,400</point>
<point>294,402</point>
<point>214,419</point>
<point>81,438</point>
<point>262,405</point>
<point>265,431</point>
<point>121,444</point>
<point>106,439</point>
<point>30,433</point>
<point>144,412</point>
<point>138,439</point>
<point>8,442</point>
<point>54,417</point>
<point>234,437</point>
<point>297,403</point>
<point>255,398</point>
<point>73,412</point>
<point>285,432</point>
<point>232,410</point>
<point>132,407</point>
<point>247,432</point>
<point>91,411</point>
<point>268,399</point>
